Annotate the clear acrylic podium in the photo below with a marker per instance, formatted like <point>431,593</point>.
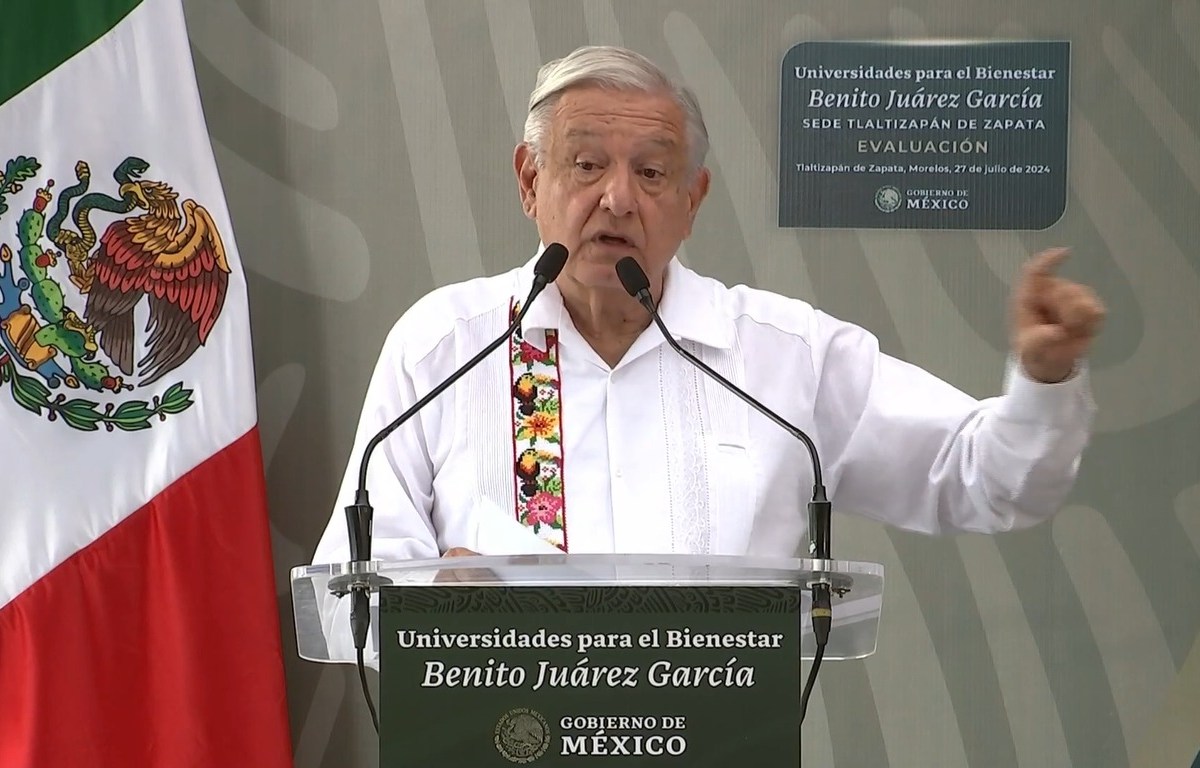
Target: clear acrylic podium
<point>321,605</point>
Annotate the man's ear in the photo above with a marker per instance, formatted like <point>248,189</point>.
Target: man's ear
<point>526,168</point>
<point>697,191</point>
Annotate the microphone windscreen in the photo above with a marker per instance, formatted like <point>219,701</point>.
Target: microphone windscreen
<point>632,277</point>
<point>551,262</point>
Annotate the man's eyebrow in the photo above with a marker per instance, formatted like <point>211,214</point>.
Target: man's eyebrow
<point>665,142</point>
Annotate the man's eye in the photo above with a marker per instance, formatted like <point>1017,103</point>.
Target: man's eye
<point>652,173</point>
<point>585,165</point>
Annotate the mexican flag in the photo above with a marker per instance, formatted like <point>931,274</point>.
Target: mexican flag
<point>138,616</point>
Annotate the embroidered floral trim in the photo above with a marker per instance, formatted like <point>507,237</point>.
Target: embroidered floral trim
<point>537,437</point>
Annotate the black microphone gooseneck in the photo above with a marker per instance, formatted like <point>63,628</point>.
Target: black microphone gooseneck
<point>637,285</point>
<point>359,515</point>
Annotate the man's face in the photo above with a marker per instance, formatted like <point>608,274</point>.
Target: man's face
<point>613,181</point>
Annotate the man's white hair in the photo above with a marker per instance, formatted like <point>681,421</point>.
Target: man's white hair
<point>616,68</point>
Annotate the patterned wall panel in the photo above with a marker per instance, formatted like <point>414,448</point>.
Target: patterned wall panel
<point>366,152</point>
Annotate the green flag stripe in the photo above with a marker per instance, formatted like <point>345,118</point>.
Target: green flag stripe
<point>38,35</point>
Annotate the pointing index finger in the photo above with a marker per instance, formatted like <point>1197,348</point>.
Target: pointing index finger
<point>1046,262</point>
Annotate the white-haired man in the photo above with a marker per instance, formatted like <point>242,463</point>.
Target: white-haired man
<point>592,435</point>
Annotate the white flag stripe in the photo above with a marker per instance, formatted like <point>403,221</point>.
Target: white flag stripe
<point>75,485</point>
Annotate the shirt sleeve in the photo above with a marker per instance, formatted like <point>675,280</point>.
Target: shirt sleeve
<point>400,472</point>
<point>910,450</point>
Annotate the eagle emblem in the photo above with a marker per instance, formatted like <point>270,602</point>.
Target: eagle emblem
<point>157,258</point>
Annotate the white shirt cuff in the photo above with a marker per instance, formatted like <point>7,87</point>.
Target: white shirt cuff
<point>1029,401</point>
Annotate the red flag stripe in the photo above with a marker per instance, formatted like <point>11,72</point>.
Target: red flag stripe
<point>159,643</point>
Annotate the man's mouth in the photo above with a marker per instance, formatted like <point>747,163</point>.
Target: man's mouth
<point>612,238</point>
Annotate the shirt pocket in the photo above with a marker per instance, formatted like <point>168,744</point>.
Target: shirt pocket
<point>733,495</point>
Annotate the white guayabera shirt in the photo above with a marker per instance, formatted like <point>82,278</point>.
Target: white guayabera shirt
<point>658,458</point>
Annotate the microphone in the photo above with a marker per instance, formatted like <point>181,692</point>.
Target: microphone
<point>359,515</point>
<point>637,285</point>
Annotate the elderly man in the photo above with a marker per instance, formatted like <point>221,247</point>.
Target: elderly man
<point>590,434</point>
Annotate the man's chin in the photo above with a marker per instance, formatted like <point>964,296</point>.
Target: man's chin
<point>606,253</point>
<point>595,275</point>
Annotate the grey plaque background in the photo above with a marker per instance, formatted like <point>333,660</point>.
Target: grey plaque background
<point>846,124</point>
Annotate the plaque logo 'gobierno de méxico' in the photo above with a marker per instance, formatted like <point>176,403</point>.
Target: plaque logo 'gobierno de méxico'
<point>888,199</point>
<point>522,735</point>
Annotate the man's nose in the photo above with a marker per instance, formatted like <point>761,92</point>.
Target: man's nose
<point>620,192</point>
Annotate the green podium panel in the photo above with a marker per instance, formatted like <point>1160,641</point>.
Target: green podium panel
<point>495,675</point>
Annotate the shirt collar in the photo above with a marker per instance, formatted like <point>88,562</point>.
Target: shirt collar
<point>691,310</point>
<point>689,307</point>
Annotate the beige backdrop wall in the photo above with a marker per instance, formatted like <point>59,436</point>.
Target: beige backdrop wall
<point>365,148</point>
